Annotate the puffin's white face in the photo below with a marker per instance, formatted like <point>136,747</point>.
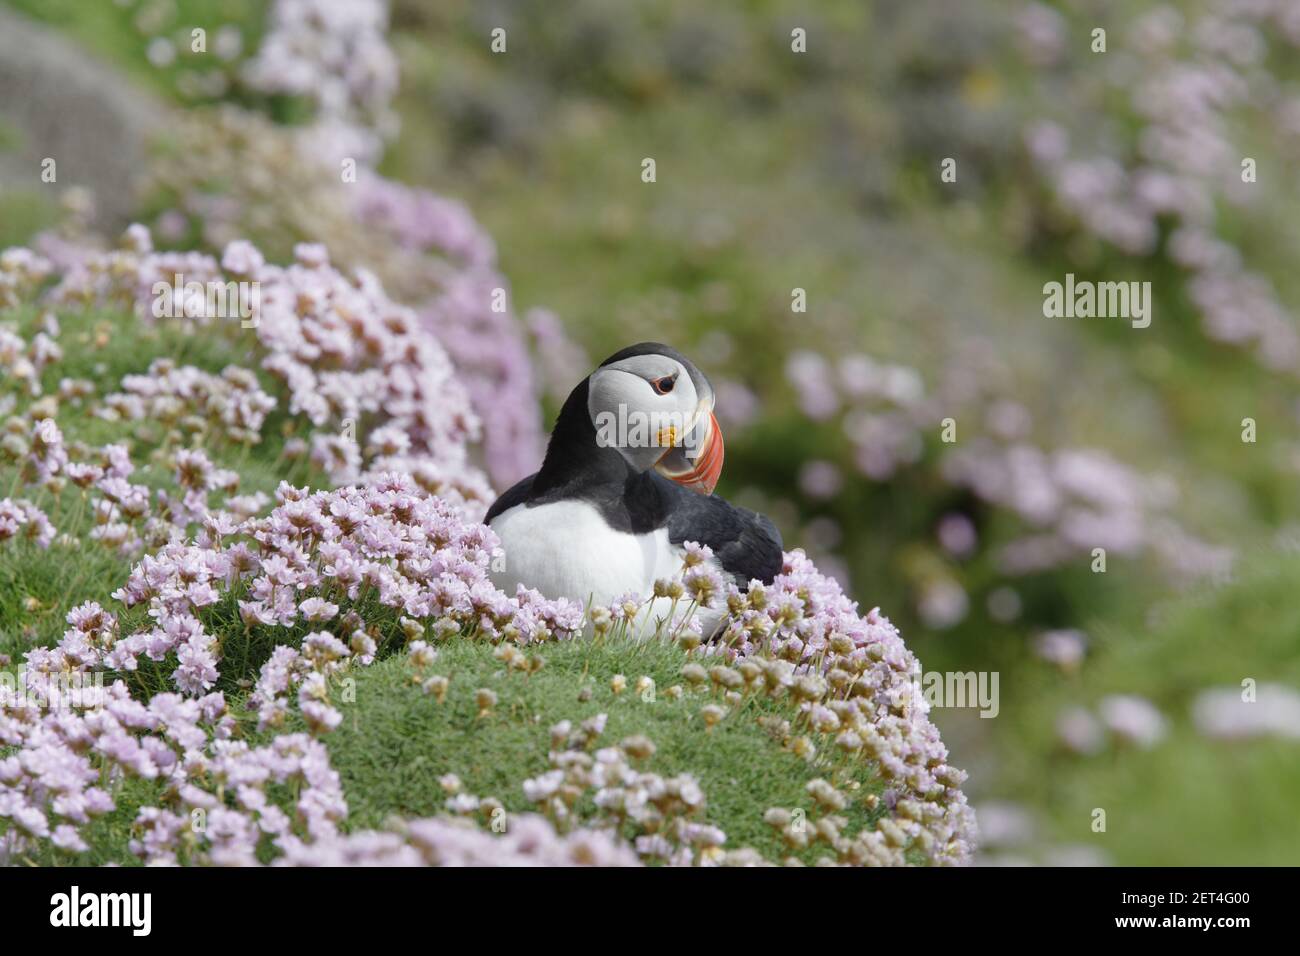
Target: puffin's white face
<point>648,407</point>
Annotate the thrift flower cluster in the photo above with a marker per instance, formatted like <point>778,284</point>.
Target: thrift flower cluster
<point>1224,713</point>
<point>1129,719</point>
<point>660,812</point>
<point>239,175</point>
<point>390,544</point>
<point>335,54</point>
<point>110,508</point>
<point>228,407</point>
<point>426,249</point>
<point>348,356</point>
<point>354,569</point>
<point>469,311</point>
<point>436,841</point>
<point>856,686</point>
<point>1203,69</point>
<point>663,813</point>
<point>1065,502</point>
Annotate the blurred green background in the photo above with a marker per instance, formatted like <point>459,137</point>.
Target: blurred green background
<point>779,170</point>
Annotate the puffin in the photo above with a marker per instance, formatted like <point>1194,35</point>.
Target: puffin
<point>627,481</point>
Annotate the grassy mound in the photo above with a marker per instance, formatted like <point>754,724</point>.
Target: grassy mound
<point>699,758</point>
<point>39,586</point>
<point>395,742</point>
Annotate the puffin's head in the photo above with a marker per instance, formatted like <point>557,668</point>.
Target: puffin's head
<point>656,408</point>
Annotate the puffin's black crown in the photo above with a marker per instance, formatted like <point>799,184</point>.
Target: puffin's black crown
<point>702,385</point>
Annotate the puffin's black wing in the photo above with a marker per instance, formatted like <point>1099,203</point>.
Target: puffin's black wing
<point>745,543</point>
<point>517,495</point>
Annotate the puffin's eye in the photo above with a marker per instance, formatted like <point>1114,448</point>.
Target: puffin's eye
<point>663,385</point>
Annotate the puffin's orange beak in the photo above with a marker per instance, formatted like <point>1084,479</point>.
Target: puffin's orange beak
<point>697,463</point>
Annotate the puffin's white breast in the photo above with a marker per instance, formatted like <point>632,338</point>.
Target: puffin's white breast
<point>565,549</point>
